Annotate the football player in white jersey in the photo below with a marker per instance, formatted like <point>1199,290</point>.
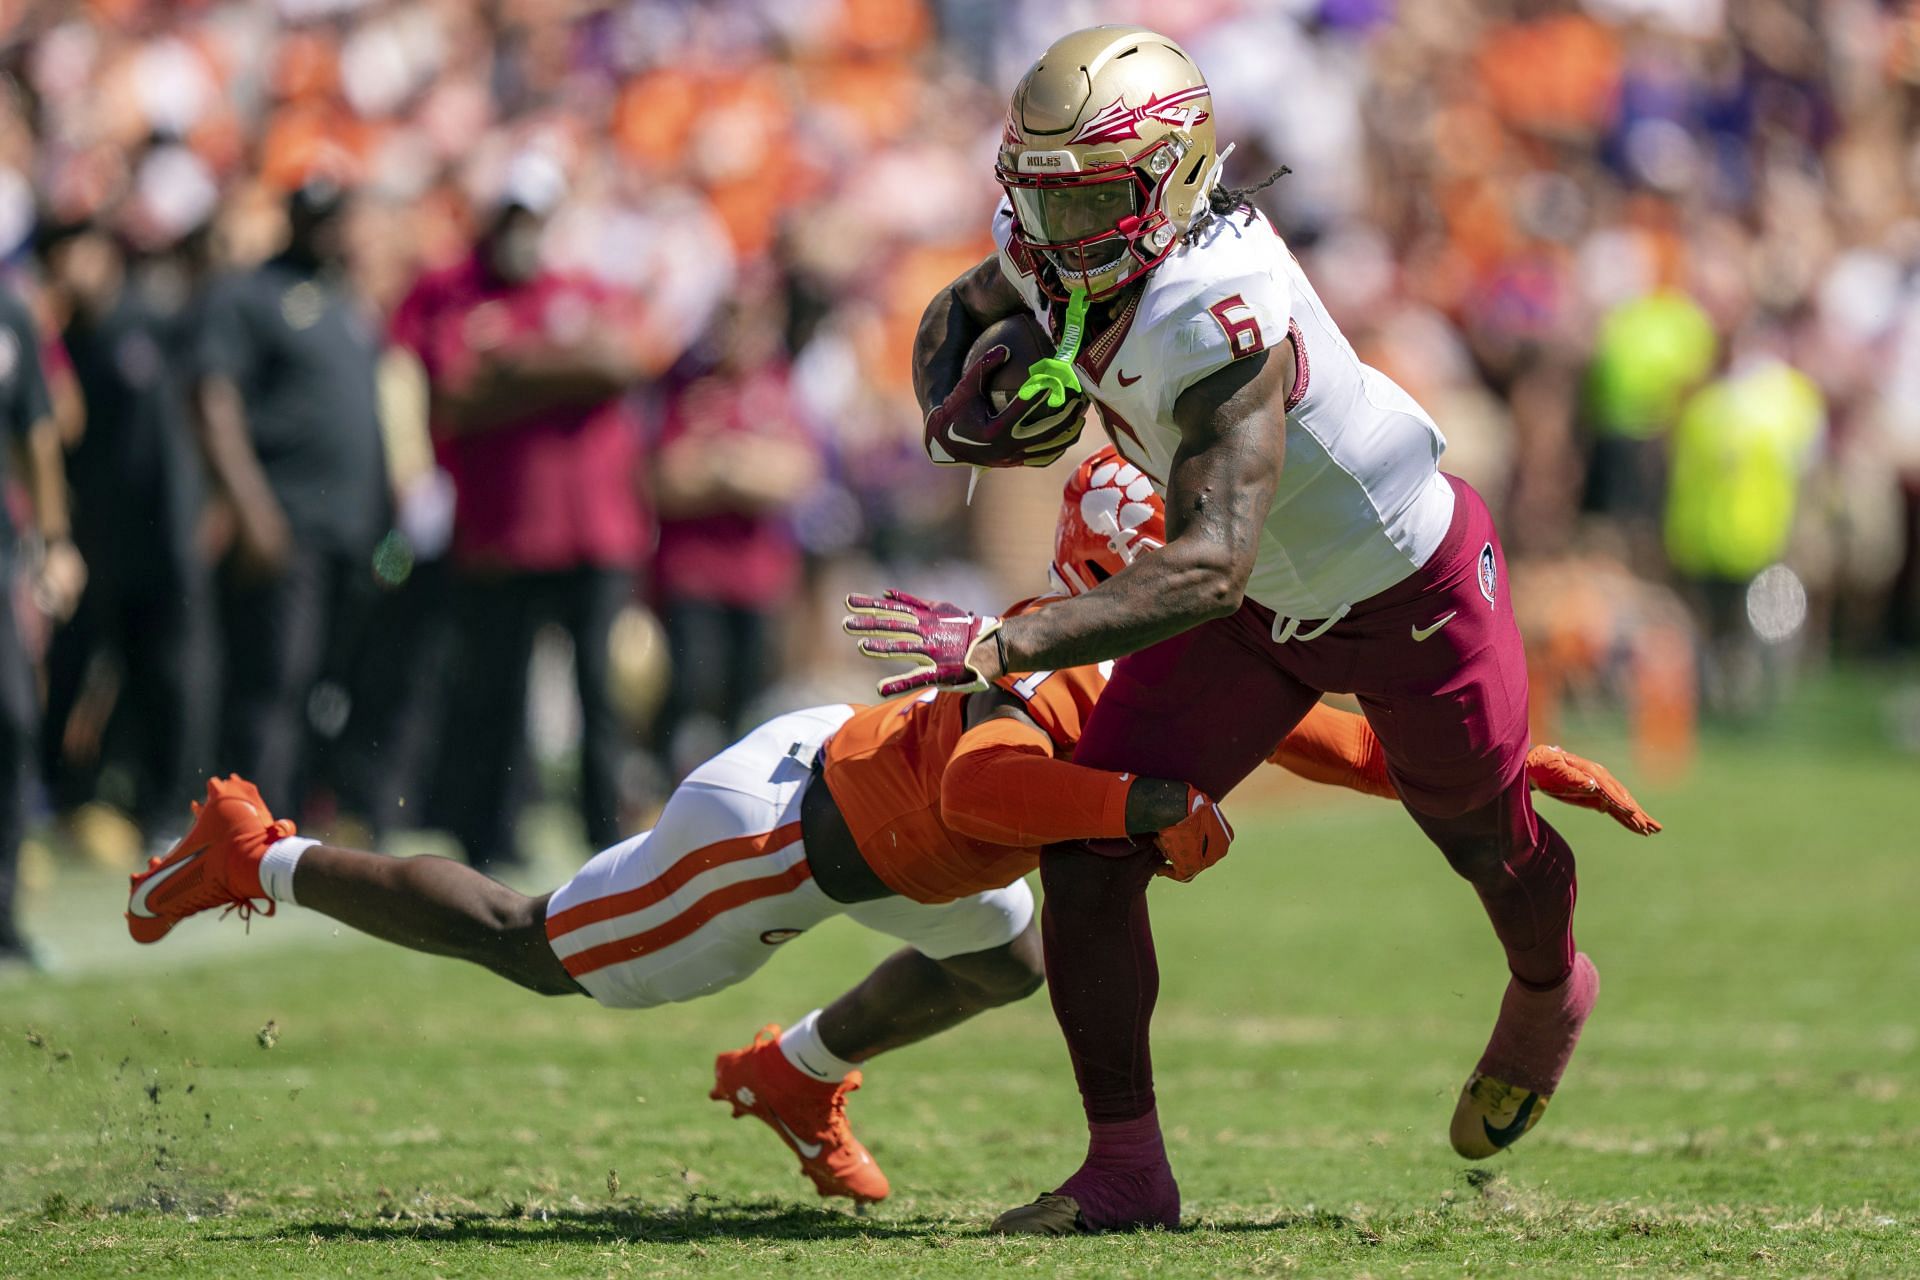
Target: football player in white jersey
<point>1314,545</point>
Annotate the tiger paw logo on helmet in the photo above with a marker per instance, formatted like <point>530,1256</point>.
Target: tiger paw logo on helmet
<point>1109,514</point>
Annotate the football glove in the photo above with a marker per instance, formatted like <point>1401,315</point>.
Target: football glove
<point>963,428</point>
<point>933,635</point>
<point>1570,779</point>
<point>1197,841</point>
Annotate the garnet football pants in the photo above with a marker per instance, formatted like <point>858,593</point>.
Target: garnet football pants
<point>1439,669</point>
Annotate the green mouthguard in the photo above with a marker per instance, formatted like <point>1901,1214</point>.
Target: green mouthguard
<point>1054,375</point>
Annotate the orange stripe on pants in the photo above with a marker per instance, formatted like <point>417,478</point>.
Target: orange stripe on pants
<point>670,881</point>
<point>687,922</point>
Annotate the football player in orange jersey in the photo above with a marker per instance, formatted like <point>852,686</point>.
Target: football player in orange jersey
<point>928,814</point>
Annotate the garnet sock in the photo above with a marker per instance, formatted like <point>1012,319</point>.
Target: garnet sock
<point>1126,1180</point>
<point>1102,974</point>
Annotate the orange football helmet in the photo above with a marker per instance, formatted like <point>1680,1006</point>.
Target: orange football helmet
<point>1109,514</point>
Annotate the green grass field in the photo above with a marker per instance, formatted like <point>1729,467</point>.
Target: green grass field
<point>1746,1102</point>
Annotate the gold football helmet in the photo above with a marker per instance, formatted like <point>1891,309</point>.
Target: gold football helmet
<point>1108,156</point>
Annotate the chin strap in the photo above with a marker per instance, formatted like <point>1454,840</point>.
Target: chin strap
<point>1054,375</point>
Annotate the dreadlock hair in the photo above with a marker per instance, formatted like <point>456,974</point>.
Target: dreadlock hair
<point>1222,201</point>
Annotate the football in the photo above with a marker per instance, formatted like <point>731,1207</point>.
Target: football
<point>1025,340</point>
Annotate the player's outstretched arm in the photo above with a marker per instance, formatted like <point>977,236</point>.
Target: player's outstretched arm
<point>1003,784</point>
<point>1219,489</point>
<point>1339,748</point>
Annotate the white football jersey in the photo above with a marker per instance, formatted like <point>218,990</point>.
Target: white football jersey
<point>1361,502</point>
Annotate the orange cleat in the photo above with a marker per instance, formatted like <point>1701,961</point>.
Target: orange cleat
<point>217,864</point>
<point>809,1116</point>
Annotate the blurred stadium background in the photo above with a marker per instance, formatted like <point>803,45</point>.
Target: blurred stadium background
<point>1654,265</point>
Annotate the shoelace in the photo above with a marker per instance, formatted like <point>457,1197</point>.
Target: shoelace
<point>210,896</point>
<point>837,1112</point>
<point>247,910</point>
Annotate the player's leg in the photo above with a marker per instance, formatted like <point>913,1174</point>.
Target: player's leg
<point>429,904</point>
<point>1451,716</point>
<point>798,1078</point>
<point>716,848</point>
<point>1523,871</point>
<point>669,915</point>
<point>964,957</point>
<point>237,854</point>
<point>1205,707</point>
<point>911,996</point>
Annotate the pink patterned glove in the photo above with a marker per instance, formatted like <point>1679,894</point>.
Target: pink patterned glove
<point>933,635</point>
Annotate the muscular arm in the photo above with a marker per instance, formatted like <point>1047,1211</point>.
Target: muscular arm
<point>1221,484</point>
<point>1003,784</point>
<point>957,315</point>
<point>1340,749</point>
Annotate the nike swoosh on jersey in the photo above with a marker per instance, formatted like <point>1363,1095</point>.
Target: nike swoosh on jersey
<point>1124,380</point>
<point>1421,633</point>
<point>137,905</point>
<point>812,1150</point>
<point>1504,1137</point>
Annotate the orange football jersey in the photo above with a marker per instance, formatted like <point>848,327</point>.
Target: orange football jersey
<point>884,767</point>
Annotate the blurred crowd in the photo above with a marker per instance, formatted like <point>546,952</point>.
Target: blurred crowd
<point>410,392</point>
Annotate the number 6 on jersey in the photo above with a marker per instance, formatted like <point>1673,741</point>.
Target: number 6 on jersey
<point>1241,325</point>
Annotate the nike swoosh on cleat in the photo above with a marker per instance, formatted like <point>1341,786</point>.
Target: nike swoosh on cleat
<point>1124,380</point>
<point>1504,1137</point>
<point>1421,633</point>
<point>137,905</point>
<point>811,1150</point>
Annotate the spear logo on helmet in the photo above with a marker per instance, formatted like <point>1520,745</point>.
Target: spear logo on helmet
<point>1117,121</point>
